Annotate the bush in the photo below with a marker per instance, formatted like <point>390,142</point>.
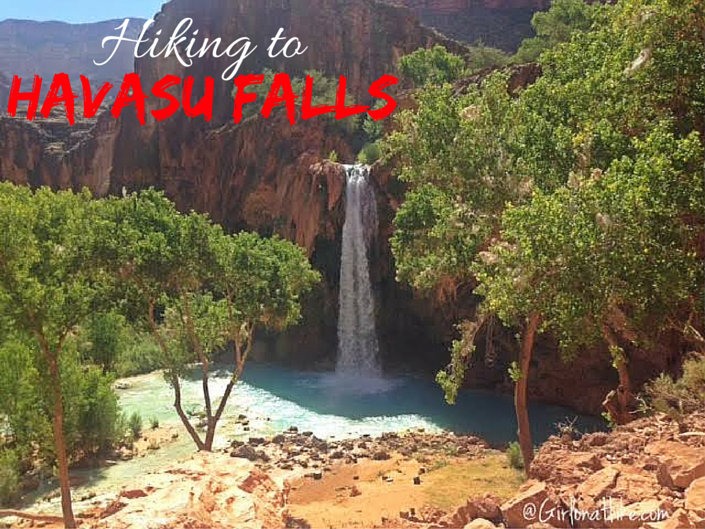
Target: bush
<point>514,457</point>
<point>98,422</point>
<point>102,339</point>
<point>675,397</point>
<point>482,57</point>
<point>135,425</point>
<point>154,423</point>
<point>369,154</point>
<point>432,66</point>
<point>140,355</point>
<point>9,478</point>
<point>91,407</point>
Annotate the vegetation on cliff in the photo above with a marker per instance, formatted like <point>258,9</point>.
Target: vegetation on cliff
<point>574,207</point>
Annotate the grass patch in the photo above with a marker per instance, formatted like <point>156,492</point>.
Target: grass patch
<point>453,484</point>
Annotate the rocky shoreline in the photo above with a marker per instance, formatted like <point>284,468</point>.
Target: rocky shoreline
<point>312,456</point>
<point>648,474</point>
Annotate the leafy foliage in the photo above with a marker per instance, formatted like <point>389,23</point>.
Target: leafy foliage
<point>432,66</point>
<point>555,26</point>
<point>514,458</point>
<point>676,397</point>
<point>579,198</point>
<point>9,477</point>
<point>134,423</point>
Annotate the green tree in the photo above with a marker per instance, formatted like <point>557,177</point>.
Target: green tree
<point>48,286</point>
<point>555,26</point>
<point>432,66</point>
<point>610,260</point>
<point>198,288</point>
<point>553,200</point>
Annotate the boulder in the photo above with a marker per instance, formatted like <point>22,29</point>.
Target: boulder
<point>678,520</point>
<point>480,523</point>
<point>533,503</point>
<point>680,464</point>
<point>599,484</point>
<point>633,485</point>
<point>245,452</point>
<point>636,514</point>
<point>486,507</point>
<point>381,455</point>
<point>695,496</point>
<point>208,490</point>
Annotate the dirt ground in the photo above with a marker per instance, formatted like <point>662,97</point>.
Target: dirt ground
<point>364,494</point>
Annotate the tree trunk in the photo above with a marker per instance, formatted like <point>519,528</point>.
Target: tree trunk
<point>184,419</point>
<point>59,443</point>
<point>619,405</point>
<point>174,380</point>
<point>240,360</point>
<point>521,395</point>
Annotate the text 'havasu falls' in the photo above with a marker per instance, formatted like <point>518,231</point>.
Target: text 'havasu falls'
<point>185,50</point>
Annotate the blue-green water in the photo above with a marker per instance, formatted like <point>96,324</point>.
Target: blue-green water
<point>275,398</point>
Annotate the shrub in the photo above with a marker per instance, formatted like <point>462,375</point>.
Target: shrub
<point>154,423</point>
<point>432,66</point>
<point>675,397</point>
<point>369,154</point>
<point>135,425</point>
<point>9,477</point>
<point>482,56</point>
<point>514,457</point>
<point>140,354</point>
<point>103,337</point>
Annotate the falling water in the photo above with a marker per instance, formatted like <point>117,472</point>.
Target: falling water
<point>357,336</point>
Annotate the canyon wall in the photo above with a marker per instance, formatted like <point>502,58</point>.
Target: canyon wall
<point>498,23</point>
<point>268,176</point>
<point>29,48</point>
<point>263,175</point>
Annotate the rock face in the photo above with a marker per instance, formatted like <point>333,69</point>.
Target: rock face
<point>499,23</point>
<point>29,48</point>
<point>208,490</point>
<point>49,152</point>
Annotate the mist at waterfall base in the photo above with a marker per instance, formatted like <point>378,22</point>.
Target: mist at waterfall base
<point>356,399</point>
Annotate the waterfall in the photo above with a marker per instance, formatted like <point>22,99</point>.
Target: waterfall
<point>357,335</point>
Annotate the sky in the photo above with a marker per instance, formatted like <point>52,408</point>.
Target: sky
<point>77,11</point>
